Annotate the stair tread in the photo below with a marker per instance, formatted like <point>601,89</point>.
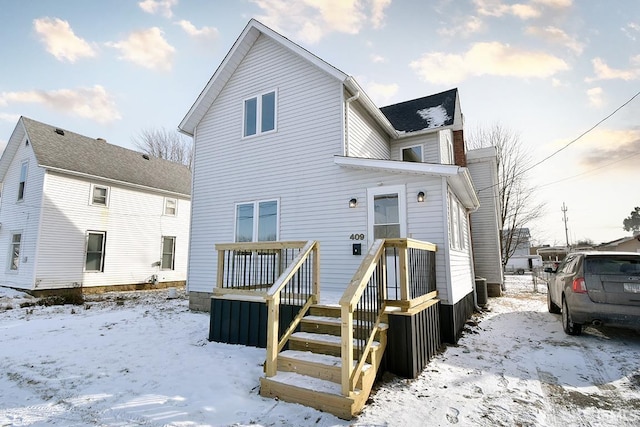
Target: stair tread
<point>323,359</point>
<point>324,338</point>
<point>308,383</point>
<point>333,321</point>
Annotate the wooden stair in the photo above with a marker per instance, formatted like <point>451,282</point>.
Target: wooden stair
<point>310,370</point>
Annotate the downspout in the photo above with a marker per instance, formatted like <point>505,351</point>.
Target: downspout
<point>346,121</point>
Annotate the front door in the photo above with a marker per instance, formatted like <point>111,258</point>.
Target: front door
<point>388,220</point>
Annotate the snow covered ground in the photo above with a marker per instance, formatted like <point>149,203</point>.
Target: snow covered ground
<point>143,359</point>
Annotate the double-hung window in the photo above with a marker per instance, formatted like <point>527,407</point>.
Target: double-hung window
<point>14,251</point>
<point>412,154</point>
<point>94,260</point>
<point>23,180</point>
<point>457,224</point>
<point>168,253</point>
<point>99,195</point>
<point>259,114</point>
<point>170,206</point>
<point>257,221</point>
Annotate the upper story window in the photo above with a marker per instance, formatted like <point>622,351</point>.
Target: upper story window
<point>412,154</point>
<point>257,221</point>
<point>170,206</point>
<point>259,114</point>
<point>99,195</point>
<point>23,179</point>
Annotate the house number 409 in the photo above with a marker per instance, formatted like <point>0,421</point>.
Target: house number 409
<point>357,237</point>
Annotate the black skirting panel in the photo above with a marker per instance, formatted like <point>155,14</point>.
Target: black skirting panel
<point>244,322</point>
<point>454,317</point>
<point>412,340</point>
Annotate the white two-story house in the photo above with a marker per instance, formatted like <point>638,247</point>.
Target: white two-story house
<point>80,214</point>
<point>288,147</point>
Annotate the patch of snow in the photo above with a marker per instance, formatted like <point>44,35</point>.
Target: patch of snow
<point>434,116</point>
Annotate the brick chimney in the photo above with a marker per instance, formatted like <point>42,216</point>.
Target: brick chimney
<point>459,148</point>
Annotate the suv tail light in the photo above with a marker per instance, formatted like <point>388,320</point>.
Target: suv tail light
<point>578,285</point>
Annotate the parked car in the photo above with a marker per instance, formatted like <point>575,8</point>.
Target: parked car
<point>596,288</point>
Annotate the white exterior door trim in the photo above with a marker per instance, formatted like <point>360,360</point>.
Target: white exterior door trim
<point>401,191</point>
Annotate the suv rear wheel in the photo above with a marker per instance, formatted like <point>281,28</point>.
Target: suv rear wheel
<point>568,326</point>
<point>553,307</point>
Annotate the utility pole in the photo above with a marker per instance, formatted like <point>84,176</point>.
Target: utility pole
<point>566,229</point>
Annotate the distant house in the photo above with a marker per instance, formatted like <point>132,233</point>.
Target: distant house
<point>78,213</point>
<point>625,244</point>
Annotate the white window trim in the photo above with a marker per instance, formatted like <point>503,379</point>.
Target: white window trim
<point>164,209</point>
<point>104,249</point>
<point>10,254</point>
<point>173,253</point>
<point>401,191</point>
<point>413,146</point>
<point>256,217</point>
<point>457,219</point>
<point>258,98</point>
<point>108,196</point>
<point>26,178</point>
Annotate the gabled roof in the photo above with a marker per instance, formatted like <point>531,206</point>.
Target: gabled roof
<point>68,152</point>
<point>424,113</point>
<point>235,56</point>
<point>617,242</point>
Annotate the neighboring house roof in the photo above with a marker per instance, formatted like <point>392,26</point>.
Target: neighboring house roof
<point>424,113</point>
<point>68,152</point>
<point>618,242</point>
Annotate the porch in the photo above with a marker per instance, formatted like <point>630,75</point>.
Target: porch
<point>388,318</point>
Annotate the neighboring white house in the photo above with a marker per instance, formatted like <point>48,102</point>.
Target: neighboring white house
<point>287,147</point>
<point>80,213</point>
<point>485,222</point>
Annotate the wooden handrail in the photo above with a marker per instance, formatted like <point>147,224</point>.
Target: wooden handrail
<point>292,268</point>
<point>251,246</point>
<point>362,275</point>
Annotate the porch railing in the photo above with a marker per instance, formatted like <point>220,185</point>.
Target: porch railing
<point>297,286</point>
<point>251,268</point>
<point>411,280</point>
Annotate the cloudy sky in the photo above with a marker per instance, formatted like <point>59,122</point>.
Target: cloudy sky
<point>547,70</point>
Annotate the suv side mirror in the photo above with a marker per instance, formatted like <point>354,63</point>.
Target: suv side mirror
<point>549,270</point>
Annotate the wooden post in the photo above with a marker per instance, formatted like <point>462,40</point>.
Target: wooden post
<point>220,273</point>
<point>316,273</point>
<point>404,273</point>
<point>347,348</point>
<point>273,314</point>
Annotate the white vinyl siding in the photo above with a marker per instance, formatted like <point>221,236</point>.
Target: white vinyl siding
<point>485,222</point>
<point>364,137</point>
<point>134,225</point>
<point>429,144</point>
<point>23,216</point>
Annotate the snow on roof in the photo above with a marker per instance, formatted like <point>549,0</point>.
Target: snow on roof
<point>434,116</point>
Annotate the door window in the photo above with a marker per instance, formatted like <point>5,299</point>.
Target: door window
<point>386,216</point>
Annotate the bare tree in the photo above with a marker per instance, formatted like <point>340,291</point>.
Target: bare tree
<point>518,206</point>
<point>165,144</point>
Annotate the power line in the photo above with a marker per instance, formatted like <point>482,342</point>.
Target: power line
<point>570,142</point>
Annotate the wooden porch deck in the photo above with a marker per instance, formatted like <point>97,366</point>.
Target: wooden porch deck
<point>327,357</point>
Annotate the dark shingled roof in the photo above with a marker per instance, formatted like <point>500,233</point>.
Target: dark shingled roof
<point>73,152</point>
<point>406,117</point>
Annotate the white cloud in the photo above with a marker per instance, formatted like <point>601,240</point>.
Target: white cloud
<point>498,9</point>
<point>595,96</point>
<point>162,7</point>
<point>89,102</point>
<point>193,31</point>
<point>491,58</point>
<point>557,36</point>
<point>61,41</point>
<point>147,48</point>
<point>377,58</point>
<point>463,27</point>
<point>605,146</point>
<point>555,82</point>
<point>311,20</point>
<point>381,93</point>
<point>632,30</point>
<point>604,72</point>
<point>7,117</point>
<point>556,4</point>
